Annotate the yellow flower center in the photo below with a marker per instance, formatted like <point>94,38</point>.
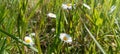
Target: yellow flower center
<point>27,41</point>
<point>68,4</point>
<point>65,38</point>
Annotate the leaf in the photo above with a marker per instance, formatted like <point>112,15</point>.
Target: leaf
<point>2,45</point>
<point>99,22</point>
<point>96,42</point>
<point>88,16</point>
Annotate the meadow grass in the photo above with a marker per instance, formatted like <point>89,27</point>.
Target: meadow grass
<point>93,25</point>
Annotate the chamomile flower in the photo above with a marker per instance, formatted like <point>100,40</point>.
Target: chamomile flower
<point>67,6</point>
<point>87,6</point>
<point>51,15</point>
<point>65,37</point>
<point>28,40</point>
<point>32,34</point>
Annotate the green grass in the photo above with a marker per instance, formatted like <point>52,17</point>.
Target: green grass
<point>93,31</point>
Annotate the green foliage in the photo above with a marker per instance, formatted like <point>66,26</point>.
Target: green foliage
<point>93,25</point>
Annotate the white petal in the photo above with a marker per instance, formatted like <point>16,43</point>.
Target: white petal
<point>87,6</point>
<point>62,35</point>
<point>51,15</point>
<point>69,40</point>
<point>69,7</point>
<point>32,34</point>
<point>64,6</point>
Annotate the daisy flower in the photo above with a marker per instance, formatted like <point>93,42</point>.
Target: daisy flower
<point>51,15</point>
<point>65,37</point>
<point>28,40</point>
<point>67,6</point>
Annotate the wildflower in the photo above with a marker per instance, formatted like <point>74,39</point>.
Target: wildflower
<point>53,29</point>
<point>51,15</point>
<point>32,34</point>
<point>67,6</point>
<point>87,6</point>
<point>65,37</point>
<point>28,40</point>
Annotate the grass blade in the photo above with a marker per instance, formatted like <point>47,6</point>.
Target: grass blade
<point>99,46</point>
<point>19,40</point>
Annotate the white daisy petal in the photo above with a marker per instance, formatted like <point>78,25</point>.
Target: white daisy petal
<point>32,34</point>
<point>51,15</point>
<point>64,6</point>
<point>69,40</point>
<point>87,6</point>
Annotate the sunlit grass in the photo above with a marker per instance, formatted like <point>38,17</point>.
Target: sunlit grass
<point>59,27</point>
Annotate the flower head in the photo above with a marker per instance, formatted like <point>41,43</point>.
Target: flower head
<point>67,6</point>
<point>65,37</point>
<point>28,40</point>
<point>51,15</point>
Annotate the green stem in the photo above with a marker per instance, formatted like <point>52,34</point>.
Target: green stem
<point>99,46</point>
<point>18,40</point>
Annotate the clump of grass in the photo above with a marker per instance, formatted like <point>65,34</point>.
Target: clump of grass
<point>92,26</point>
